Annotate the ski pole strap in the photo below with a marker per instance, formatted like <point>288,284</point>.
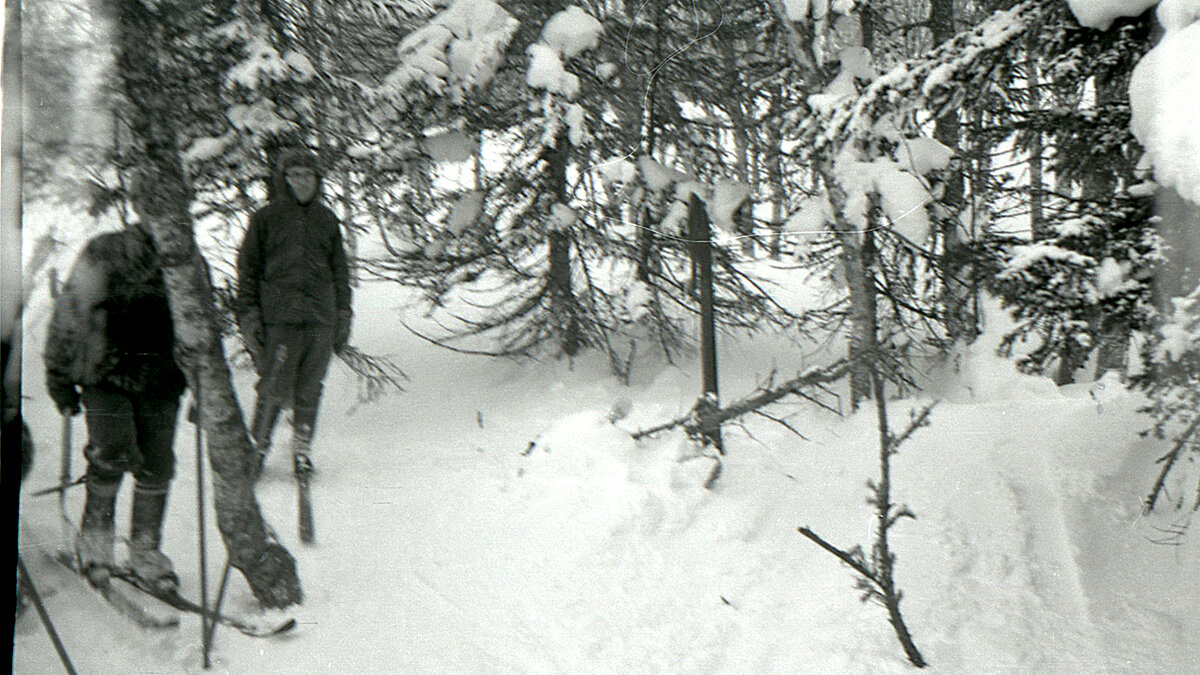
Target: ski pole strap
<point>44,616</point>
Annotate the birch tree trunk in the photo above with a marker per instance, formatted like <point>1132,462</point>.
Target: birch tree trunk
<point>161,196</point>
<point>857,259</point>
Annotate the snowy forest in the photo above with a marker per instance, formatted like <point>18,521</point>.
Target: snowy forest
<point>850,336</point>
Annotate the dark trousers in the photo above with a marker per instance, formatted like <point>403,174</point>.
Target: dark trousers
<point>130,433</point>
<point>295,359</point>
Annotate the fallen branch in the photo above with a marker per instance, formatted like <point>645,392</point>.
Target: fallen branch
<point>853,559</point>
<point>703,421</point>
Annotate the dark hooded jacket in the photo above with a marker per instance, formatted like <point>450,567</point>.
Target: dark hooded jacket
<point>111,324</point>
<point>291,265</point>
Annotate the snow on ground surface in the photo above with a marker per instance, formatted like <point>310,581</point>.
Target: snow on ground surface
<point>445,545</point>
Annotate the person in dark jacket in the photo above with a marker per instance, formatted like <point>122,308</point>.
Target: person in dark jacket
<point>110,347</point>
<point>293,301</point>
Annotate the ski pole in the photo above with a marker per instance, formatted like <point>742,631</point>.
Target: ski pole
<point>45,616</point>
<point>59,489</point>
<point>204,632</point>
<point>64,476</point>
<point>212,626</point>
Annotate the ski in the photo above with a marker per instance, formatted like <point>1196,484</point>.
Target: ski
<point>174,599</point>
<point>301,467</point>
<point>304,505</point>
<point>119,600</point>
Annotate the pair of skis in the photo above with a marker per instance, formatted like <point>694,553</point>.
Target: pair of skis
<point>127,593</point>
<point>124,590</point>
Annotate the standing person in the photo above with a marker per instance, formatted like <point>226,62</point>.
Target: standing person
<point>110,347</point>
<point>293,301</point>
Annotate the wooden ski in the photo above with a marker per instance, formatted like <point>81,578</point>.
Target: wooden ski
<point>303,497</point>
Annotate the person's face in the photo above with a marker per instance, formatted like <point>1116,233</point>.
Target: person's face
<point>303,182</point>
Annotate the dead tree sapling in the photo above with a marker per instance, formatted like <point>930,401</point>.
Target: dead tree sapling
<point>704,420</point>
<point>876,576</point>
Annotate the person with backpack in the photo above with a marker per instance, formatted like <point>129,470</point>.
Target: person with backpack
<point>110,352</point>
<point>293,302</point>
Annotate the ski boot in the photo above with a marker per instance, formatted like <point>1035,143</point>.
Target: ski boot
<point>145,536</point>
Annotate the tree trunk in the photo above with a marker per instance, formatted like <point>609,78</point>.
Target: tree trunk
<point>1113,336</point>
<point>161,196</point>
<point>700,234</point>
<point>774,161</point>
<point>1179,226</point>
<point>740,122</point>
<point>863,319</point>
<point>562,293</point>
<point>857,258</point>
<point>1037,217</point>
<point>957,293</point>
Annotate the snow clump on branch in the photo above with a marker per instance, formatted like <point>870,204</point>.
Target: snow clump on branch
<point>459,50</point>
<point>1163,92</point>
<point>902,195</point>
<point>263,64</point>
<point>565,36</point>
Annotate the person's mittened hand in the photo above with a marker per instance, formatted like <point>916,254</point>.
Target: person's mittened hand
<point>66,397</point>
<point>341,334</point>
<point>254,336</point>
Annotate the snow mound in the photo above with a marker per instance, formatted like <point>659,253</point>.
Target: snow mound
<point>589,477</point>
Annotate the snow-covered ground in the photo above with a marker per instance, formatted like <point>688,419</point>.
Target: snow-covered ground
<point>445,545</point>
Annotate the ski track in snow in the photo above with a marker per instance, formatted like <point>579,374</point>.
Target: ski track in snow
<point>1048,539</point>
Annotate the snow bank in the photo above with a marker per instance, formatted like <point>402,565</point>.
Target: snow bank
<point>587,476</point>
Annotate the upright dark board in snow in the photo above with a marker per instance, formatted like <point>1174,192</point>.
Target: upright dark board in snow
<point>304,504</point>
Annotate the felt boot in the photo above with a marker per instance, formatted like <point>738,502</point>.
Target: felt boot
<point>145,536</point>
<point>95,545</point>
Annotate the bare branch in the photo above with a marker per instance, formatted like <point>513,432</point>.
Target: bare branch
<point>856,563</point>
<point>698,424</point>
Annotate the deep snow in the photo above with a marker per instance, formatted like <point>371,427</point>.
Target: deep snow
<point>445,544</point>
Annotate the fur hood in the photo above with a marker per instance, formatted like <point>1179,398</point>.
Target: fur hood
<point>289,158</point>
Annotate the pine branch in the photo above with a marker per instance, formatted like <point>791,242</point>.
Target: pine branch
<point>877,576</point>
<point>376,374</point>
